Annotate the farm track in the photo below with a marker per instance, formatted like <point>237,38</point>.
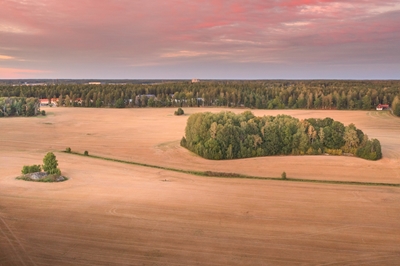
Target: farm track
<point>112,213</point>
<point>234,175</point>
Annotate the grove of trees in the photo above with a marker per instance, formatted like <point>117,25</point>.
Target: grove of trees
<point>19,106</point>
<point>226,135</point>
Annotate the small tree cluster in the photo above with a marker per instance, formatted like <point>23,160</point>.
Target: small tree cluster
<point>27,169</point>
<point>86,153</point>
<point>68,150</point>
<point>179,111</point>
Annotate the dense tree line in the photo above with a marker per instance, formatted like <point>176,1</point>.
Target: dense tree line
<point>264,94</point>
<point>226,135</point>
<point>19,106</point>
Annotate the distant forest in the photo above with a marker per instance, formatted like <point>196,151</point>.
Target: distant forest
<point>230,136</point>
<point>263,94</point>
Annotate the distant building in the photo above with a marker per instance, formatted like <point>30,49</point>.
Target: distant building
<point>34,84</point>
<point>381,107</point>
<point>45,102</point>
<point>195,80</point>
<point>95,83</point>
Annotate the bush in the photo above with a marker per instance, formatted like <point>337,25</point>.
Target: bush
<point>43,112</point>
<point>396,109</point>
<point>27,169</point>
<point>68,150</point>
<point>120,103</point>
<point>371,150</point>
<point>86,153</point>
<point>179,111</point>
<point>283,176</point>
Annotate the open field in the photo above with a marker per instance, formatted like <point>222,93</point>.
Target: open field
<point>111,213</point>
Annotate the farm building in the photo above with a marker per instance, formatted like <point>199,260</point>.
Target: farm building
<point>381,107</point>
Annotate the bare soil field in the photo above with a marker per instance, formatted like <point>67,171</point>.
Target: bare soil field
<point>111,213</point>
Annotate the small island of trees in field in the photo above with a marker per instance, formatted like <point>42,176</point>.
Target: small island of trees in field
<point>227,135</point>
<point>51,172</point>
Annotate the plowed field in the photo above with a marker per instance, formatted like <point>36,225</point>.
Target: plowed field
<point>111,213</point>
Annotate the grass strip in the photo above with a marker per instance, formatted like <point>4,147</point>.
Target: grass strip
<point>235,175</point>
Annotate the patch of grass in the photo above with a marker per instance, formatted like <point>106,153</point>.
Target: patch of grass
<point>235,175</point>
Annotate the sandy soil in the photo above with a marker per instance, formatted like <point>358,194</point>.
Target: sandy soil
<point>111,213</point>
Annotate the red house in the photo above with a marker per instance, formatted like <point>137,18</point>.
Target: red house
<point>381,107</point>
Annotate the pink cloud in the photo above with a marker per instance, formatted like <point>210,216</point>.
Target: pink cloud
<point>56,33</point>
<point>15,73</point>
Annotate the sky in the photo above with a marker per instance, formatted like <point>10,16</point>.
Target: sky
<point>208,39</point>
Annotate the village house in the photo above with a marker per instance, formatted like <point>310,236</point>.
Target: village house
<point>45,102</point>
<point>381,107</point>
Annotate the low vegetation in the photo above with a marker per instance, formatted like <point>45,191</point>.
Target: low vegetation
<point>50,167</point>
<point>27,169</point>
<point>179,111</point>
<point>226,135</point>
<point>283,175</point>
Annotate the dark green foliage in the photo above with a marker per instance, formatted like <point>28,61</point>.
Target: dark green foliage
<point>43,112</point>
<point>396,109</point>
<point>68,150</point>
<point>179,111</point>
<point>26,169</point>
<point>86,153</point>
<point>50,164</point>
<point>19,106</point>
<point>226,135</point>
<point>262,94</point>
<point>283,176</point>
<point>119,103</point>
<point>371,150</point>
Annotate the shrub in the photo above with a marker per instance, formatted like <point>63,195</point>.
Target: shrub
<point>371,150</point>
<point>179,111</point>
<point>120,103</point>
<point>396,109</point>
<point>283,176</point>
<point>86,153</point>
<point>26,169</point>
<point>68,149</point>
<point>43,112</point>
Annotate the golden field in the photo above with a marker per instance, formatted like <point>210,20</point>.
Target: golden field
<point>111,213</point>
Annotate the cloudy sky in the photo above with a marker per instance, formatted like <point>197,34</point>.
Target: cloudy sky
<point>209,39</point>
